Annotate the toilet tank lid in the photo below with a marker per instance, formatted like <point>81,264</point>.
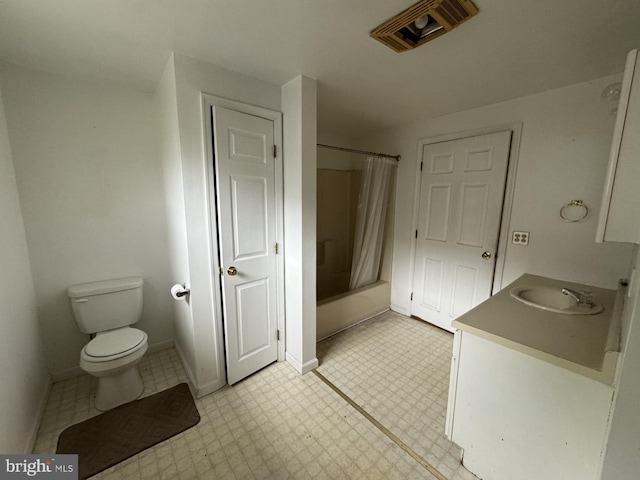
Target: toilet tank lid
<point>105,286</point>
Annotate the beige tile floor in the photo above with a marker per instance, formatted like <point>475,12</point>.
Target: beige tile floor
<point>397,369</point>
<point>274,424</point>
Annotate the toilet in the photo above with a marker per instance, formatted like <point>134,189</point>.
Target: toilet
<point>108,309</point>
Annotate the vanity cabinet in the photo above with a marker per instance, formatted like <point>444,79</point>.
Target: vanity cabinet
<point>620,210</point>
<point>518,417</point>
<point>531,390</point>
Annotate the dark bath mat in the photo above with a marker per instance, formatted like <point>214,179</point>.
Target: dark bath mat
<point>114,436</point>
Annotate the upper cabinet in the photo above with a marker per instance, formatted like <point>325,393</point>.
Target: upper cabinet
<point>620,211</point>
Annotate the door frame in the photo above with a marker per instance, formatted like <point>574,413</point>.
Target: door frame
<point>507,203</point>
<point>209,101</point>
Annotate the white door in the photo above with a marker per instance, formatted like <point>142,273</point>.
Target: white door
<point>461,194</point>
<point>244,158</point>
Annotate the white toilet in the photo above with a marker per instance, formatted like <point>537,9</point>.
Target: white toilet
<point>108,308</point>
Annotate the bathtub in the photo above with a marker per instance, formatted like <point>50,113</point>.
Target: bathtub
<point>347,309</point>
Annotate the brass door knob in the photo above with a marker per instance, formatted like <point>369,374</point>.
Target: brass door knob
<point>486,255</point>
<point>232,271</point>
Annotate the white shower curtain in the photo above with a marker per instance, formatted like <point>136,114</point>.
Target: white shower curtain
<point>372,209</point>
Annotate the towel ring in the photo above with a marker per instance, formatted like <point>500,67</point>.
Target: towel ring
<point>574,203</point>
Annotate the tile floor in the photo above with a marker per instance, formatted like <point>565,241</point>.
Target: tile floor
<point>278,424</point>
<point>397,369</point>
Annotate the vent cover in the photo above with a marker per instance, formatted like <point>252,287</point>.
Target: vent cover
<point>424,21</point>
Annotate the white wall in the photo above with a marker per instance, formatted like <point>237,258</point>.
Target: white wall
<point>192,78</point>
<point>167,104</point>
<point>563,155</point>
<point>87,165</point>
<point>23,375</point>
<point>336,159</point>
<point>299,109</point>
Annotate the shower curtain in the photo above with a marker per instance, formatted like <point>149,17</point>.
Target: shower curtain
<point>369,233</point>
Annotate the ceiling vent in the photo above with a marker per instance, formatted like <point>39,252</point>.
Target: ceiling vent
<point>424,21</point>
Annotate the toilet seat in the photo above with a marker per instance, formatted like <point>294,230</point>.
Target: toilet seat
<point>114,344</point>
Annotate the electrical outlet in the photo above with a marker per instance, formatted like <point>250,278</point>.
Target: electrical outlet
<point>520,238</point>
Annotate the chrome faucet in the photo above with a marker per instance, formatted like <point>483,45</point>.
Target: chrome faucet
<point>578,297</point>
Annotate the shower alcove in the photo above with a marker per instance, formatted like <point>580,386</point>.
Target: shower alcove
<point>340,177</point>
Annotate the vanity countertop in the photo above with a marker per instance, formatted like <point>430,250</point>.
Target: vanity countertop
<point>585,344</point>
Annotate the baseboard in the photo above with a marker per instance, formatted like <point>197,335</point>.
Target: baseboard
<point>185,365</point>
<point>400,309</point>
<point>197,391</point>
<point>302,368</point>
<point>38,417</point>
<point>208,388</point>
<point>76,371</point>
<point>310,365</point>
<point>156,347</point>
<point>66,374</point>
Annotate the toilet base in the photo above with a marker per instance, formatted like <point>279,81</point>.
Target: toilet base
<point>118,389</point>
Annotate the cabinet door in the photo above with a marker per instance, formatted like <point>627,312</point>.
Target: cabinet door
<point>518,417</point>
<point>620,210</point>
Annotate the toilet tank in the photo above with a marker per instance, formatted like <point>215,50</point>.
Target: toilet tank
<point>105,305</point>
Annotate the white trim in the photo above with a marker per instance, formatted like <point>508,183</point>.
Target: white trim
<point>208,388</point>
<point>212,216</point>
<point>67,373</point>
<point>156,347</point>
<point>215,101</point>
<point>302,368</point>
<point>38,417</point>
<point>187,370</point>
<point>616,143</point>
<point>197,391</point>
<point>279,139</point>
<point>507,205</point>
<point>414,223</point>
<point>202,390</point>
<point>209,101</point>
<point>399,308</point>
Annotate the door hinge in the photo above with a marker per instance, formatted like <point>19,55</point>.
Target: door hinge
<point>416,233</point>
<point>275,151</point>
<point>221,271</point>
<point>277,248</point>
<point>421,166</point>
<point>278,335</point>
<point>412,296</point>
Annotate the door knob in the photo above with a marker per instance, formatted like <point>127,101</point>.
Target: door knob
<point>232,271</point>
<point>486,255</point>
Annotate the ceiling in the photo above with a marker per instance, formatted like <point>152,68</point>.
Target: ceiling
<point>511,48</point>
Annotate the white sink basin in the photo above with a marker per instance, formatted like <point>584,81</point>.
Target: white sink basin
<point>553,300</point>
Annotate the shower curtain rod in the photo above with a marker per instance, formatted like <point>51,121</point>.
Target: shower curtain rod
<point>364,152</point>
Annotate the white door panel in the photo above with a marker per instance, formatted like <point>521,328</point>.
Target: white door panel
<point>249,214</point>
<point>438,204</point>
<point>252,301</point>
<point>460,206</point>
<point>245,182</point>
<point>473,214</point>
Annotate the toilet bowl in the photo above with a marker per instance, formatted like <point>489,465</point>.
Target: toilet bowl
<point>112,357</point>
<point>108,309</point>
